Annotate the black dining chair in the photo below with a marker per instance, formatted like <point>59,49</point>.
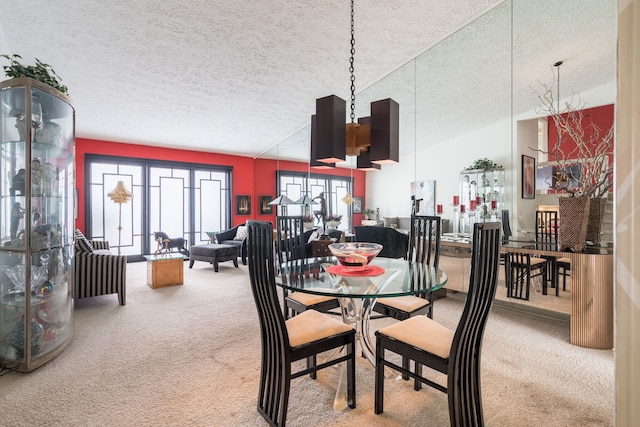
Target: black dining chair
<point>521,268</point>
<point>547,240</point>
<point>286,341</point>
<point>424,248</point>
<point>455,353</point>
<point>290,248</point>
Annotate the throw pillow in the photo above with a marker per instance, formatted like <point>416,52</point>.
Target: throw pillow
<point>82,243</point>
<point>314,236</point>
<point>241,233</point>
<point>102,252</point>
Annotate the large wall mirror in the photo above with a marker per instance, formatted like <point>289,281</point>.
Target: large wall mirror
<point>465,97</point>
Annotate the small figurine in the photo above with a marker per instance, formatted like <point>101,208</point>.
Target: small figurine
<point>36,178</point>
<point>16,215</point>
<point>322,213</point>
<point>377,214</point>
<point>415,205</point>
<point>18,183</point>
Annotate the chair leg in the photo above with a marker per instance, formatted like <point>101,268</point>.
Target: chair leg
<point>378,406</point>
<point>405,365</point>
<point>351,376</point>
<point>417,385</point>
<point>311,362</point>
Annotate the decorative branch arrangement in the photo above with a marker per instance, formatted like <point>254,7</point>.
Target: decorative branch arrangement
<point>583,169</point>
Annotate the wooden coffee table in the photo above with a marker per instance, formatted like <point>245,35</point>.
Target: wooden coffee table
<point>165,270</point>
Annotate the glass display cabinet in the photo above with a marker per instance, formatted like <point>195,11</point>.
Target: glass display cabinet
<point>37,139</point>
<point>482,195</point>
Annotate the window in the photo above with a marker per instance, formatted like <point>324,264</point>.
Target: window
<point>180,199</point>
<point>294,185</point>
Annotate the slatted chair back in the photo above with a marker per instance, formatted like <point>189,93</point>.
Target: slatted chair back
<point>546,230</point>
<point>463,382</point>
<point>311,332</point>
<point>290,238</point>
<point>424,240</point>
<point>518,275</point>
<point>272,403</point>
<point>506,227</point>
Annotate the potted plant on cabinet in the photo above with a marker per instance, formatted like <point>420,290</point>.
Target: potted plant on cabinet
<point>367,213</point>
<point>41,72</point>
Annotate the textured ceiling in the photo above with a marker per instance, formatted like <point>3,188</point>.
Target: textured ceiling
<point>239,76</point>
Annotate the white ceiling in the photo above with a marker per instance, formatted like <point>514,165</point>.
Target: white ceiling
<point>239,76</point>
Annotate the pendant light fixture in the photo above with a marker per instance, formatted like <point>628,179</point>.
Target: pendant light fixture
<point>378,135</point>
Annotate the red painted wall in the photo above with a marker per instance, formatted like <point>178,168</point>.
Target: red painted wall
<point>253,177</point>
<point>601,117</point>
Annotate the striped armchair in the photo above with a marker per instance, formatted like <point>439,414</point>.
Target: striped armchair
<point>97,271</point>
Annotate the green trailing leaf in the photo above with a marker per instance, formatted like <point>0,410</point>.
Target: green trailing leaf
<point>483,164</point>
<point>41,72</point>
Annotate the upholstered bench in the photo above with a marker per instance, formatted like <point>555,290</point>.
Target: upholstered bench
<point>213,253</point>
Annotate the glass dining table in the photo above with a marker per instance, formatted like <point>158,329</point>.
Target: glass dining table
<point>357,291</point>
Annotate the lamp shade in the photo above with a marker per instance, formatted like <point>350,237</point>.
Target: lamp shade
<point>385,131</point>
<point>312,159</point>
<point>348,199</point>
<point>282,200</point>
<point>364,162</point>
<point>120,194</point>
<point>305,200</point>
<point>330,138</point>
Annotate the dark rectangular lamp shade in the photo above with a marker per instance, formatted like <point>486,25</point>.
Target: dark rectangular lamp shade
<point>364,159</point>
<point>312,158</point>
<point>364,162</point>
<point>385,126</point>
<point>330,140</point>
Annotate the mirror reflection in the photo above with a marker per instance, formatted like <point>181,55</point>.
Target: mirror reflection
<point>474,96</point>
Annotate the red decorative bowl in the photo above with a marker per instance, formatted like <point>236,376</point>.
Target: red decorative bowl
<point>355,256</point>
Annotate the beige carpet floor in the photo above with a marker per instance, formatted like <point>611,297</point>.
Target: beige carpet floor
<point>189,356</point>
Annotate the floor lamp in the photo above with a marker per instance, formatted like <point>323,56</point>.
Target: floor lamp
<point>120,195</point>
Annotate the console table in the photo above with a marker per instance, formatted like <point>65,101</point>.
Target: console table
<point>591,316</point>
<point>591,310</point>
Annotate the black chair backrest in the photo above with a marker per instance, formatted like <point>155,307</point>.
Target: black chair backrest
<point>506,227</point>
<point>518,275</point>
<point>424,240</point>
<point>273,330</point>
<point>467,340</point>
<point>546,230</point>
<point>290,238</point>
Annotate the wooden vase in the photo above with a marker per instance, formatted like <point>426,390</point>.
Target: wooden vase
<point>581,220</point>
<point>574,219</point>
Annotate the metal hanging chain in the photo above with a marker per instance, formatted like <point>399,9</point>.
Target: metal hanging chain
<point>351,69</point>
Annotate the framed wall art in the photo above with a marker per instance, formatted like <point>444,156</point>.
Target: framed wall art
<point>243,205</point>
<point>357,205</point>
<point>423,197</point>
<point>264,207</point>
<point>528,177</point>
